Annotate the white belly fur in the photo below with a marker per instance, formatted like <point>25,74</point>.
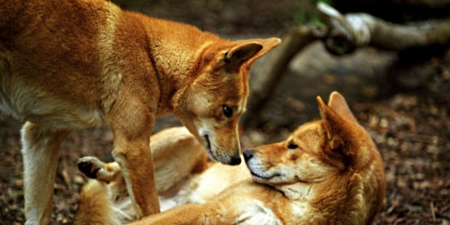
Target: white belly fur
<point>29,104</point>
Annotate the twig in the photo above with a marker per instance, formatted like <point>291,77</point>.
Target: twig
<point>432,211</point>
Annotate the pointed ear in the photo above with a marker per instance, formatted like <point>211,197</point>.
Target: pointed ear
<point>339,105</point>
<point>247,52</point>
<point>334,126</point>
<point>239,54</point>
<point>268,44</point>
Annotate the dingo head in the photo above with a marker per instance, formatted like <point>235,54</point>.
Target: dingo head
<point>217,96</point>
<point>334,148</point>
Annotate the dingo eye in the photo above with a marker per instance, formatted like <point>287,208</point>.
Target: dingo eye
<point>227,111</point>
<point>292,145</point>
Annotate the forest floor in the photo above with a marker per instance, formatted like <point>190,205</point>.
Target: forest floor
<point>411,133</point>
<point>410,129</point>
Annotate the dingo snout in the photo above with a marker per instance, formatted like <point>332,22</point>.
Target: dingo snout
<point>222,144</point>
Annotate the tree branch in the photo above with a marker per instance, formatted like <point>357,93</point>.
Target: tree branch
<point>267,72</point>
<point>346,33</point>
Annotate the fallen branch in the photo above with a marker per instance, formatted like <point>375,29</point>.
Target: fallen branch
<point>344,34</point>
<point>267,72</point>
<point>353,30</point>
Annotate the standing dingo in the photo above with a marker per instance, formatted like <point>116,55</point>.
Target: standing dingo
<point>72,64</point>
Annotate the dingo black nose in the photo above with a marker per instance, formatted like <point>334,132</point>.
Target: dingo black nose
<point>235,161</point>
<point>248,154</point>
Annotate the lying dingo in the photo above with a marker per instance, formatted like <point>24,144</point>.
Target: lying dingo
<point>72,64</point>
<point>327,172</point>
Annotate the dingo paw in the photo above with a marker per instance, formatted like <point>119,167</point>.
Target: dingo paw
<point>90,166</point>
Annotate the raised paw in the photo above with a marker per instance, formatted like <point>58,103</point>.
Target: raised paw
<point>90,166</point>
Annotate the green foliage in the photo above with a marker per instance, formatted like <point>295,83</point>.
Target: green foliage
<point>306,12</point>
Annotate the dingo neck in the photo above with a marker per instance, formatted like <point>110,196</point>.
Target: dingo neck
<point>176,51</point>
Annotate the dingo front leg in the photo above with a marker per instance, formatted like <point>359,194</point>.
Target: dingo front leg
<point>40,150</point>
<point>132,130</point>
<point>136,163</point>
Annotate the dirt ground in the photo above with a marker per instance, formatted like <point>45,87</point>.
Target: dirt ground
<point>410,128</point>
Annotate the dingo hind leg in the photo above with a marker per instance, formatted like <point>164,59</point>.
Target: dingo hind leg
<point>93,168</point>
<point>40,150</point>
<point>105,199</point>
<point>95,205</point>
